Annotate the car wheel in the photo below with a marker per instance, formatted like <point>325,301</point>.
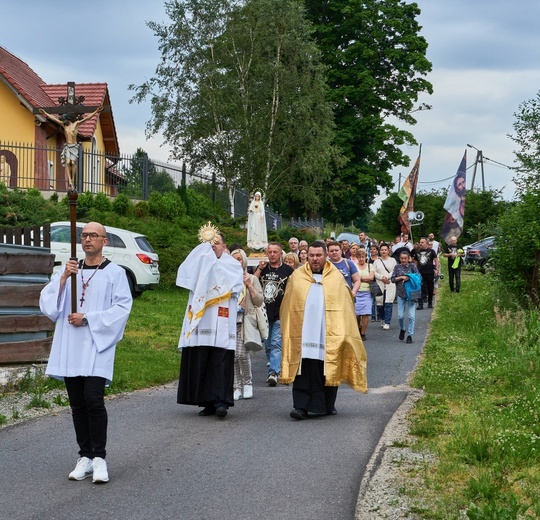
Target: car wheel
<point>131,282</point>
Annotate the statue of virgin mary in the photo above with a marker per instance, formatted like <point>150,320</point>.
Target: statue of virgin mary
<point>257,237</point>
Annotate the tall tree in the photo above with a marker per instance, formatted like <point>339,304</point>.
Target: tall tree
<point>239,91</point>
<point>527,137</point>
<point>376,62</point>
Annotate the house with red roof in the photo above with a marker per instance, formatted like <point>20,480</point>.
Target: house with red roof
<point>30,144</point>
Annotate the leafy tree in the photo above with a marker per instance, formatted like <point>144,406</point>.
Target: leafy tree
<point>385,220</point>
<point>239,91</point>
<point>376,61</point>
<point>140,167</point>
<point>527,137</point>
<point>517,245</point>
<point>482,209</point>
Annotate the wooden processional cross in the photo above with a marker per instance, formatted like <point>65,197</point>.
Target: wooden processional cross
<point>71,109</point>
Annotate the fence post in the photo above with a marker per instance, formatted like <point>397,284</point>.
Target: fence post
<point>145,180</point>
<point>79,181</point>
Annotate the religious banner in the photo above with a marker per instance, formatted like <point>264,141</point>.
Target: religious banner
<point>407,194</point>
<point>455,204</point>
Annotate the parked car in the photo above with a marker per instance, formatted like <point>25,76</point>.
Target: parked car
<point>351,237</point>
<point>129,250</point>
<point>479,253</point>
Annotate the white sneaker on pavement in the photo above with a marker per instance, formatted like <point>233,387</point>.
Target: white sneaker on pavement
<point>237,394</point>
<point>272,380</point>
<point>82,470</point>
<point>248,391</point>
<point>101,475</point>
<point>386,326</point>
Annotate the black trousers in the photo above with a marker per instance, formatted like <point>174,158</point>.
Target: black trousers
<point>206,377</point>
<point>87,401</point>
<point>309,392</point>
<point>454,279</point>
<point>428,286</point>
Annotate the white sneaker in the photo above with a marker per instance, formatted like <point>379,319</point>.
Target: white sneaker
<point>386,326</point>
<point>82,470</point>
<point>101,475</point>
<point>272,380</point>
<point>248,391</point>
<point>237,394</point>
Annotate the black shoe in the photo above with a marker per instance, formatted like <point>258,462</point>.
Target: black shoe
<point>208,410</point>
<point>401,335</point>
<point>221,411</point>
<point>363,336</point>
<point>420,307</point>
<point>298,414</point>
<point>409,339</point>
<point>333,412</point>
<point>430,306</point>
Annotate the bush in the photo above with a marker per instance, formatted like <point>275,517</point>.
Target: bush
<point>167,206</point>
<point>517,242</point>
<point>102,202</point>
<point>121,204</point>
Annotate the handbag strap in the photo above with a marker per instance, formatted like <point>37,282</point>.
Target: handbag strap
<point>384,265</point>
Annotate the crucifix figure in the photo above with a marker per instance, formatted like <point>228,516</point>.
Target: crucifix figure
<point>71,110</point>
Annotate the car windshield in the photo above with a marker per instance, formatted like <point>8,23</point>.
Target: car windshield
<point>483,242</point>
<point>63,234</point>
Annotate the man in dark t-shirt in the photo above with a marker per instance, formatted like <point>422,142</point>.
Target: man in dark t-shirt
<point>455,255</point>
<point>428,266</point>
<point>273,277</point>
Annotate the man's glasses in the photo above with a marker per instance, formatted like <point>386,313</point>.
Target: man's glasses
<point>91,236</point>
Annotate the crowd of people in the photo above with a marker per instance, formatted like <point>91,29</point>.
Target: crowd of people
<point>310,307</point>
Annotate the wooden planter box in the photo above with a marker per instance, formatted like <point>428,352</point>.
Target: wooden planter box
<point>25,333</point>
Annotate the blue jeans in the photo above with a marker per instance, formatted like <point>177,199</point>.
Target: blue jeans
<point>401,314</point>
<point>272,346</point>
<point>385,312</point>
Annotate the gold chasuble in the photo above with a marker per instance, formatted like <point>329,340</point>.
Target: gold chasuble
<point>345,359</point>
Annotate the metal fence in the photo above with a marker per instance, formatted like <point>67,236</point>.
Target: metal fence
<point>24,166</point>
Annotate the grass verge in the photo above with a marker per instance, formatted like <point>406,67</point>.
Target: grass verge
<point>479,415</point>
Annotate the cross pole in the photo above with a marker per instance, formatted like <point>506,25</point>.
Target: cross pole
<point>71,109</point>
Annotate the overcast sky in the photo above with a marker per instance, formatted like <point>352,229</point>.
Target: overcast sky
<point>485,59</point>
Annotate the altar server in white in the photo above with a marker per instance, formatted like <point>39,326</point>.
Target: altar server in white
<point>84,343</point>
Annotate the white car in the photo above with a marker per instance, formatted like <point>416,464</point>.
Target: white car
<point>129,250</point>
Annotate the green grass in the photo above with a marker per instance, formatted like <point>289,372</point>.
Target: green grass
<point>479,415</point>
<point>148,354</point>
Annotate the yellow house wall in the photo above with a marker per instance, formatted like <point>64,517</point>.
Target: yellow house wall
<point>17,126</point>
<point>16,121</point>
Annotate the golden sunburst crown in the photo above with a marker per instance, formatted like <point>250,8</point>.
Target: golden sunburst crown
<point>208,233</point>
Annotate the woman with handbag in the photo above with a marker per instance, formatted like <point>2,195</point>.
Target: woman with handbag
<point>383,267</point>
<point>363,300</point>
<point>250,298</point>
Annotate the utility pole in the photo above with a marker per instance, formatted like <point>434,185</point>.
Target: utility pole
<point>479,160</point>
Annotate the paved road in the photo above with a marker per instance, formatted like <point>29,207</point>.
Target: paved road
<point>165,462</point>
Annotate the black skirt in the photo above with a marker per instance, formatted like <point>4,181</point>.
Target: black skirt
<point>206,376</point>
<point>309,392</point>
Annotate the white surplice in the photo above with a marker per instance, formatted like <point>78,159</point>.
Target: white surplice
<point>87,350</point>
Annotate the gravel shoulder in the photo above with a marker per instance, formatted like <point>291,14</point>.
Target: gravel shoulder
<point>393,463</point>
